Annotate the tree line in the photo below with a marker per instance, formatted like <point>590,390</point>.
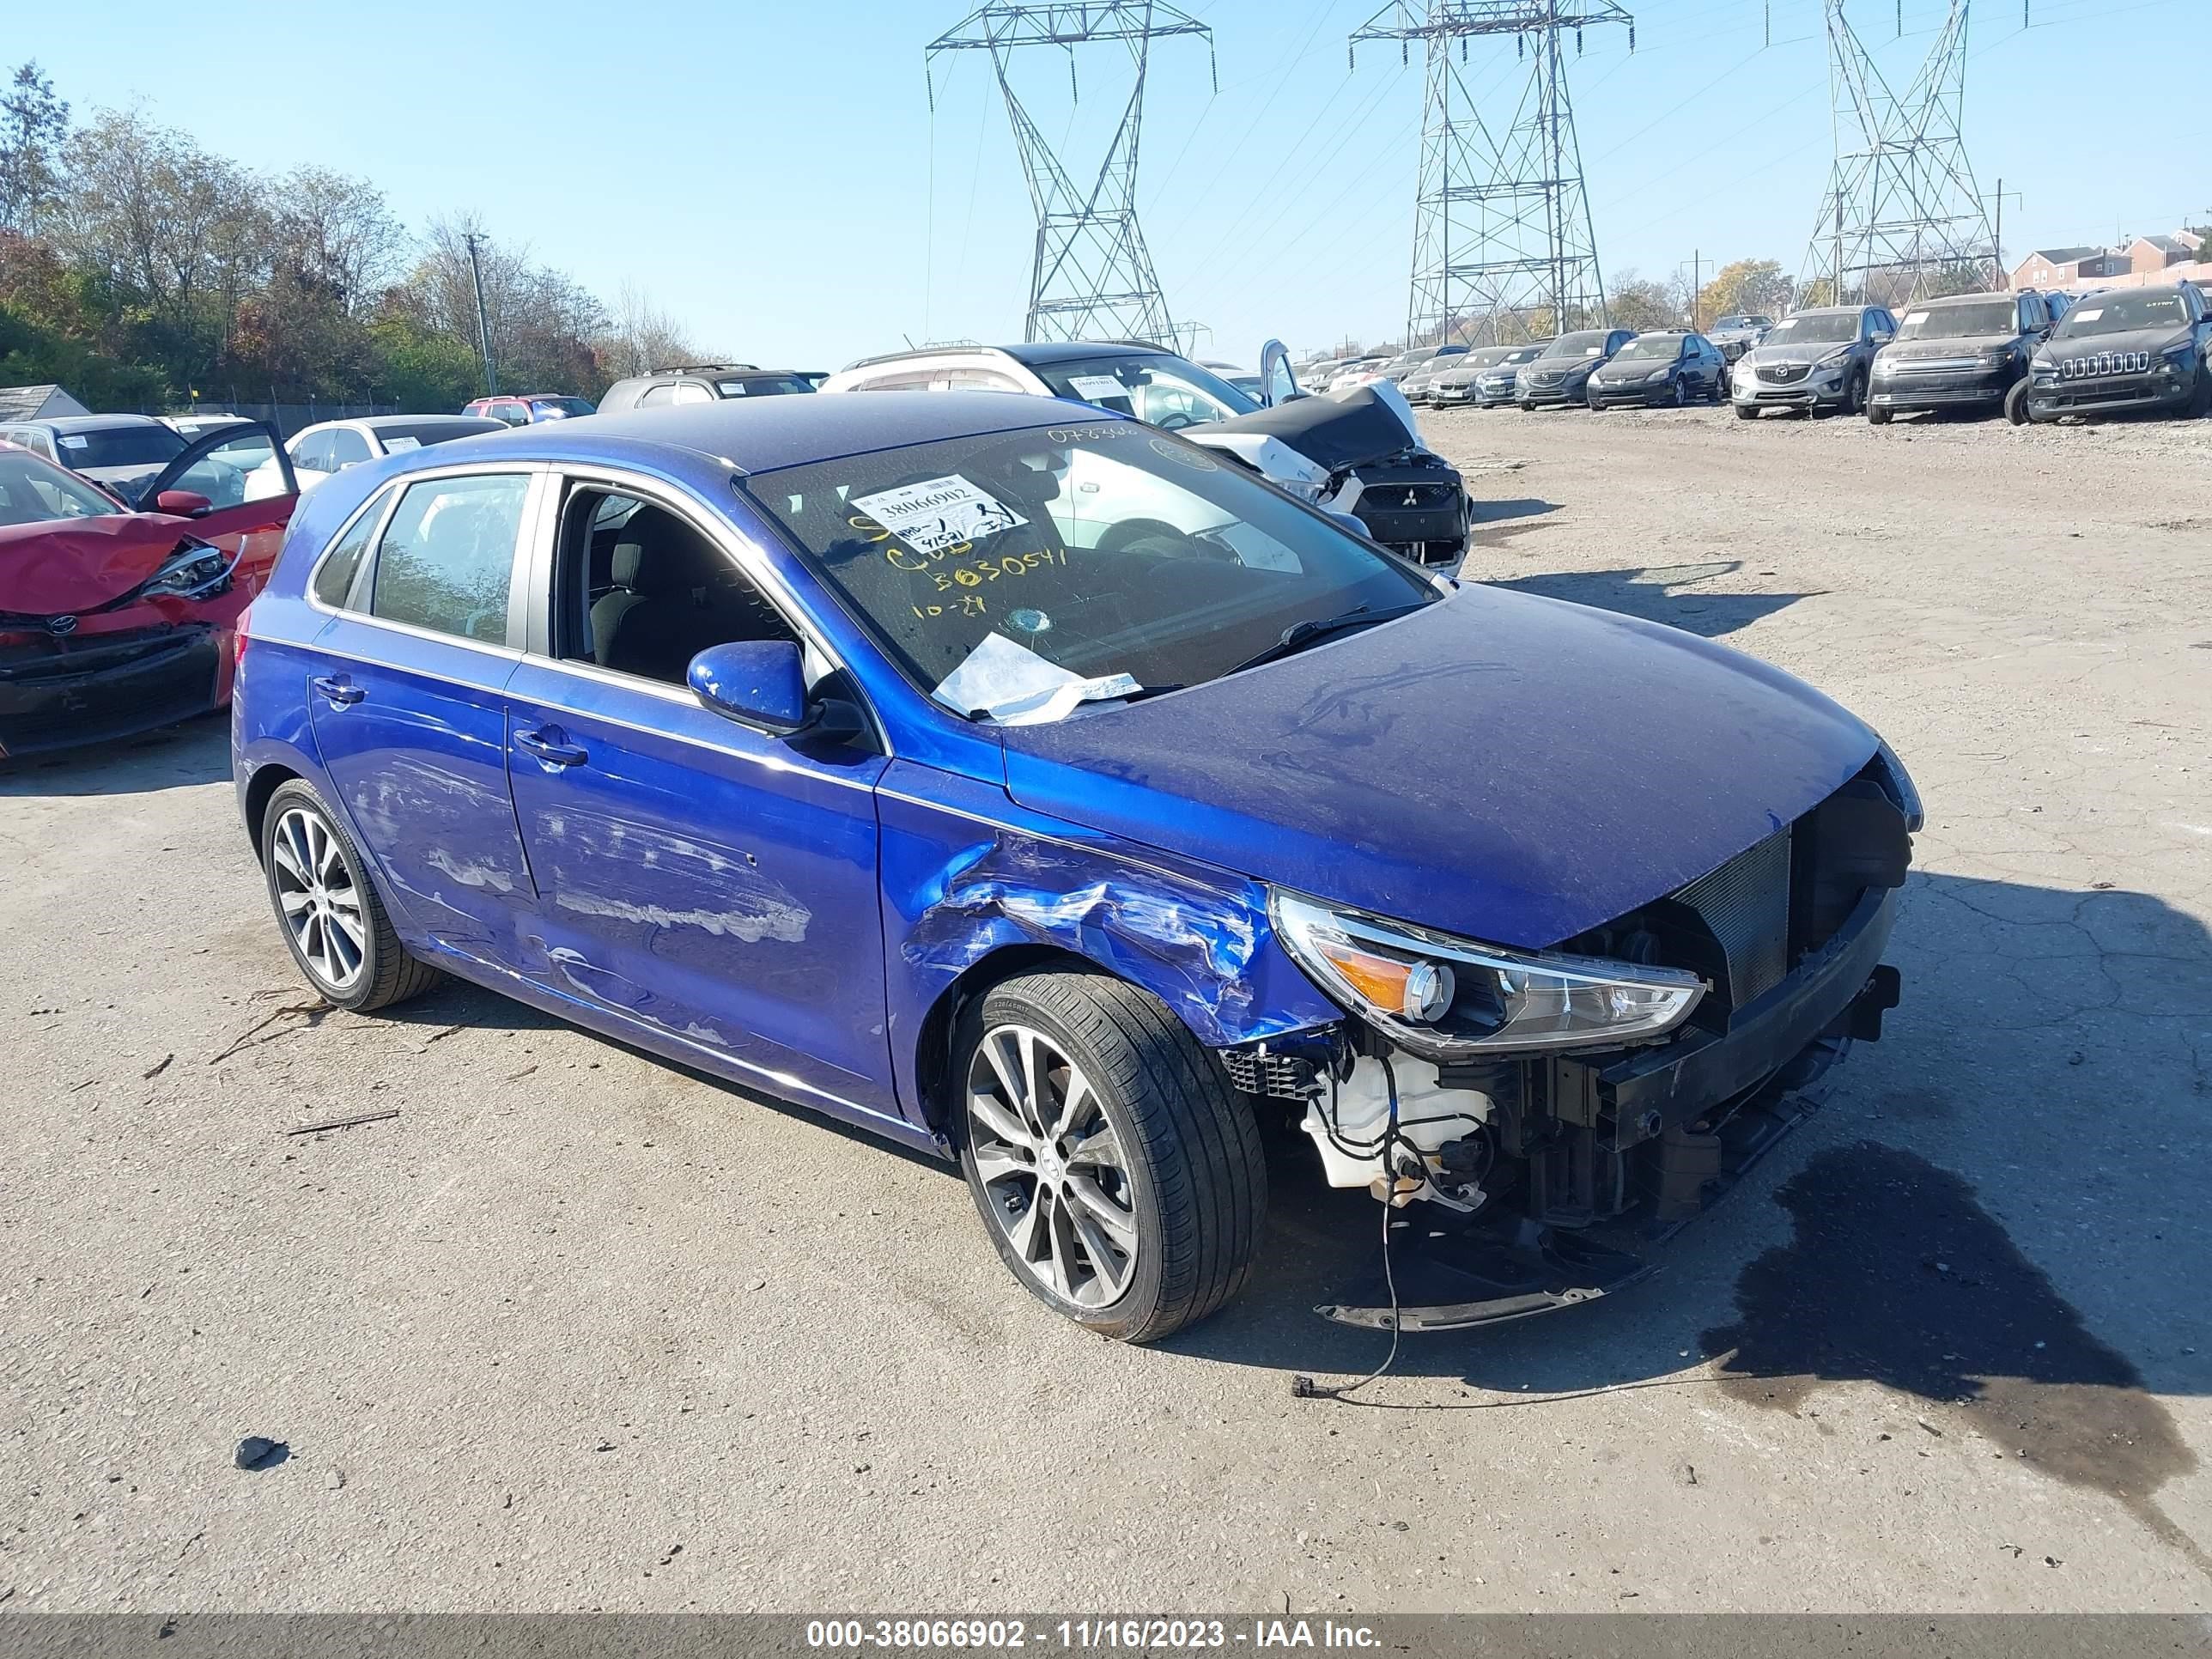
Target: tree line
<point>139,270</point>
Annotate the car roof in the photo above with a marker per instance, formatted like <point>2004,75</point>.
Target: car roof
<point>93,423</point>
<point>762,435</point>
<point>1967,298</point>
<point>1837,311</point>
<point>382,422</point>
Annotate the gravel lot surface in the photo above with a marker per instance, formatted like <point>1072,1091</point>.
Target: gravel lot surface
<point>577,1330</point>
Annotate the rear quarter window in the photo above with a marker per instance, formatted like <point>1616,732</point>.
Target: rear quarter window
<point>334,578</point>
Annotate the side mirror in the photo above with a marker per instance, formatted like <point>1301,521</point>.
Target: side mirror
<point>182,503</point>
<point>756,683</point>
<point>1881,336</point>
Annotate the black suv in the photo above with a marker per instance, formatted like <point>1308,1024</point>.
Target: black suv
<point>1963,351</point>
<point>701,383</point>
<point>2126,349</point>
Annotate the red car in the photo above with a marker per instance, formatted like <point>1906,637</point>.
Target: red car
<point>118,614</point>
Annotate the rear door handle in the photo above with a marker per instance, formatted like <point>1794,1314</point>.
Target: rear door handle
<point>341,693</point>
<point>547,744</point>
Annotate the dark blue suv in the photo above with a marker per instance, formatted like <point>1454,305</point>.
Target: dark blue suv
<point>1031,786</point>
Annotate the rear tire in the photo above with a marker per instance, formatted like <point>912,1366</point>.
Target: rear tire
<point>2015,404</point>
<point>1119,1175</point>
<point>328,909</point>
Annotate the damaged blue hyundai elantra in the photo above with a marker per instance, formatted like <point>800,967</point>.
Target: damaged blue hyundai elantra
<point>1033,787</point>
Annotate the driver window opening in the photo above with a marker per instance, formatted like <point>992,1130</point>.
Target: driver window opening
<point>638,591</point>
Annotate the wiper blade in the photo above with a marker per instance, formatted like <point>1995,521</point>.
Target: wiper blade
<point>1298,635</point>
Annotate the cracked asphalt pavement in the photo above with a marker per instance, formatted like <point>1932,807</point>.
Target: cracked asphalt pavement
<point>563,1328</point>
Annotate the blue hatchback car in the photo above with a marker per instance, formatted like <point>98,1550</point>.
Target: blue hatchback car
<point>1033,787</point>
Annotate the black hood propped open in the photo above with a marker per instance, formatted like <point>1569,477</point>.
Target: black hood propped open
<point>1332,432</point>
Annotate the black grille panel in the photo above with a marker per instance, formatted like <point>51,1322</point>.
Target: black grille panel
<point>1267,1074</point>
<point>1746,904</point>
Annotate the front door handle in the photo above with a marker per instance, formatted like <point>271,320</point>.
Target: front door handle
<point>340,692</point>
<point>547,744</point>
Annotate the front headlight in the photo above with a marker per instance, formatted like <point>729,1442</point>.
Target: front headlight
<point>1657,375</point>
<point>1444,997</point>
<point>2182,358</point>
<point>1835,359</point>
<point>194,571</point>
<point>2044,372</point>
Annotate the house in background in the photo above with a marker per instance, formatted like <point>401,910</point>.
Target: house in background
<point>2063,267</point>
<point>38,403</point>
<point>2151,254</point>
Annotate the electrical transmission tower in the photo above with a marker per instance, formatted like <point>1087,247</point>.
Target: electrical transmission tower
<point>1093,276</point>
<point>1901,215</point>
<point>1502,222</point>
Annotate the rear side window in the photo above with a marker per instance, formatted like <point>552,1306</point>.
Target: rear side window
<point>334,581</point>
<point>446,560</point>
<point>346,447</point>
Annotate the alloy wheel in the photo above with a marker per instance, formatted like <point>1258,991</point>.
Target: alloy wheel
<point>1052,1167</point>
<point>316,894</point>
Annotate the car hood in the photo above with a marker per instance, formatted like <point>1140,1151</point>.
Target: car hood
<point>79,564</point>
<point>1947,345</point>
<point>1503,767</point>
<point>1635,369</point>
<point>2156,341</point>
<point>1564,365</point>
<point>1810,353</point>
<point>1336,430</point>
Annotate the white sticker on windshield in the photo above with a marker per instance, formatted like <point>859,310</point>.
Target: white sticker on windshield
<point>1091,387</point>
<point>2084,316</point>
<point>938,513</point>
<point>1911,317</point>
<point>395,446</point>
<point>1592,351</point>
<point>72,440</point>
<point>1017,687</point>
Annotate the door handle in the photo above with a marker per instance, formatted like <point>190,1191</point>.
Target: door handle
<point>341,693</point>
<point>547,746</point>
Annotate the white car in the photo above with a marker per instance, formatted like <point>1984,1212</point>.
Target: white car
<point>319,450</point>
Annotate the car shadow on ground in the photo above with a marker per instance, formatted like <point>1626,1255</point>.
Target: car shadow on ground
<point>1998,1214</point>
<point>1492,523</point>
<point>1682,595</point>
<point>197,751</point>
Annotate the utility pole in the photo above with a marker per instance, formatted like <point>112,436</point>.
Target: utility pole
<point>1501,219</point>
<point>1092,276</point>
<point>1697,286</point>
<point>484,323</point>
<point>1996,239</point>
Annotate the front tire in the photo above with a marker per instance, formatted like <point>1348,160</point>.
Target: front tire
<point>1877,415</point>
<point>328,909</point>
<point>2015,404</point>
<point>2200,401</point>
<point>1119,1175</point>
<point>1747,411</point>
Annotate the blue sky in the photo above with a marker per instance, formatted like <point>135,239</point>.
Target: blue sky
<point>774,176</point>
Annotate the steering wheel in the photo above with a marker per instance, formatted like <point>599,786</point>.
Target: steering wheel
<point>1175,422</point>
<point>1161,540</point>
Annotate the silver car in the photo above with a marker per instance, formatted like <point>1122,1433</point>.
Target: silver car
<point>1816,360</point>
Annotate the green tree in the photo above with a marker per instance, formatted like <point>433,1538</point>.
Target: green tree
<point>1637,302</point>
<point>420,369</point>
<point>1757,286</point>
<point>34,127</point>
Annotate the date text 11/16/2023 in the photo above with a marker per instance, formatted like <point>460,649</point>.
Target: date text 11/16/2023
<point>1121,1634</point>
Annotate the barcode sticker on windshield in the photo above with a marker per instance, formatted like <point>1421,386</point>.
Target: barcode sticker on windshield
<point>394,446</point>
<point>2086,316</point>
<point>939,513</point>
<point>73,441</point>
<point>1091,387</point>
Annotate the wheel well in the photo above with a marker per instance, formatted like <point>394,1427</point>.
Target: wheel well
<point>933,1059</point>
<point>265,782</point>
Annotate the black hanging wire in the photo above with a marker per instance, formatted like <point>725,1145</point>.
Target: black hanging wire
<point>1305,1387</point>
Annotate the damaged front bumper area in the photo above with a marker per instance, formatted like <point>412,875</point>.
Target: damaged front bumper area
<point>1548,1177</point>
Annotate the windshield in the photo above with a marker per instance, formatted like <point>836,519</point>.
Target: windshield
<point>2123,314</point>
<point>1743,322</point>
<point>764,385</point>
<point>1960,321</point>
<point>565,407</point>
<point>1814,328</point>
<point>995,568</point>
<point>32,492</point>
<point>117,446</point>
<point>1588,344</point>
<point>1665,346</point>
<point>1527,354</point>
<point>1165,390</point>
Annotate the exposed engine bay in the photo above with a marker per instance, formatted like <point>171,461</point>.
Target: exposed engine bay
<point>1542,1172</point>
